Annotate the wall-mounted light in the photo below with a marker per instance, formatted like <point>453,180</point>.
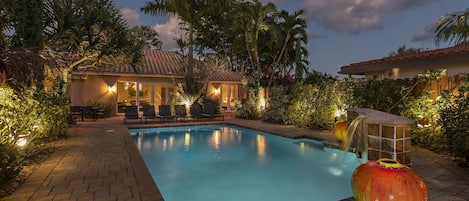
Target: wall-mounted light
<point>216,91</point>
<point>111,89</point>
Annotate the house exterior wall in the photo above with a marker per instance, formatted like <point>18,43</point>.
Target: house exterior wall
<point>409,73</point>
<point>226,94</point>
<point>92,88</point>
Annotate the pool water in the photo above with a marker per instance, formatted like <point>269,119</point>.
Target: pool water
<point>229,163</point>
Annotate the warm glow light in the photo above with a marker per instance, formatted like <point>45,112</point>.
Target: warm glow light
<point>111,89</point>
<point>21,142</point>
<point>216,137</point>
<point>187,139</point>
<point>187,104</point>
<point>260,140</point>
<point>339,112</point>
<point>216,91</point>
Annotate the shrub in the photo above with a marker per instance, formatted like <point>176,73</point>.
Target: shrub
<point>27,115</point>
<point>248,108</point>
<point>455,123</point>
<point>276,110</point>
<point>10,164</point>
<point>425,111</point>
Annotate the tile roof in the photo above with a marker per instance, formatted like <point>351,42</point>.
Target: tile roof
<point>366,66</point>
<point>159,63</point>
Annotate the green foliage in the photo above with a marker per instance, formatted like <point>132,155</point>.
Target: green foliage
<point>277,109</point>
<point>313,105</point>
<point>455,123</point>
<point>249,107</point>
<point>378,94</point>
<point>31,116</point>
<point>425,111</point>
<point>10,164</point>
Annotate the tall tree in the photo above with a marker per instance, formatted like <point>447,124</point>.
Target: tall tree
<point>252,22</point>
<point>187,12</point>
<point>88,32</point>
<point>290,51</point>
<point>147,36</point>
<point>453,28</point>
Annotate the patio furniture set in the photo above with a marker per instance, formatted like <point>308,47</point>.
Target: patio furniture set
<point>197,112</point>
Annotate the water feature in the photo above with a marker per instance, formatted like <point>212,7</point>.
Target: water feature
<point>356,135</point>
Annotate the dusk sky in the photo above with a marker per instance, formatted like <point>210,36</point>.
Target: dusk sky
<point>340,31</point>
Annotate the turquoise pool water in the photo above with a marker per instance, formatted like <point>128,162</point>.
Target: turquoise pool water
<point>229,163</point>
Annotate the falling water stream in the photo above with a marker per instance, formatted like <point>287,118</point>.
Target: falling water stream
<point>362,141</point>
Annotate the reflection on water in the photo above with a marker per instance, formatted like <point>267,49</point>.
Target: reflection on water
<point>187,140</point>
<point>261,145</point>
<point>181,159</point>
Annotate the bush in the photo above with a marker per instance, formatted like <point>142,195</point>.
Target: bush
<point>248,108</point>
<point>276,110</point>
<point>425,111</point>
<point>455,124</point>
<point>27,116</point>
<point>10,164</point>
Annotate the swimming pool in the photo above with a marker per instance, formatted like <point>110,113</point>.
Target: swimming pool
<point>229,163</point>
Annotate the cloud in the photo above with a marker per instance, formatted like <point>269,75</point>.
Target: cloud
<point>354,16</point>
<point>132,16</point>
<point>428,33</point>
<point>169,31</point>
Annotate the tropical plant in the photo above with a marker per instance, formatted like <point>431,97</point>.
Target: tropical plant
<point>453,28</point>
<point>252,23</point>
<point>455,123</point>
<point>87,33</point>
<point>187,11</point>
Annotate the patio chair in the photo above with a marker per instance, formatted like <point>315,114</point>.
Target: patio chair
<point>181,112</point>
<point>164,112</point>
<point>131,112</point>
<point>76,112</point>
<point>196,111</point>
<point>149,112</point>
<point>210,112</point>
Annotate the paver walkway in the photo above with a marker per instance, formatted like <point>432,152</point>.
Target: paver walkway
<point>99,161</point>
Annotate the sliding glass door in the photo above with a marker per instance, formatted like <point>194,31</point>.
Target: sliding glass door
<point>142,93</point>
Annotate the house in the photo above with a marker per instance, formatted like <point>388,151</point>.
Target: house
<point>453,61</point>
<point>152,83</point>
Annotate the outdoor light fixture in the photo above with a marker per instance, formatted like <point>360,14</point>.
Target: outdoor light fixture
<point>21,142</point>
<point>111,89</point>
<point>216,91</point>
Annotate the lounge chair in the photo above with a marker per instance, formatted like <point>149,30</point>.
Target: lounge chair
<point>180,111</point>
<point>196,111</point>
<point>149,112</point>
<point>210,112</point>
<point>131,112</point>
<point>164,112</point>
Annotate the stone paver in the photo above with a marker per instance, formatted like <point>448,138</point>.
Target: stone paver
<point>99,161</point>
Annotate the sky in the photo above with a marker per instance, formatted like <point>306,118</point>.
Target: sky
<point>340,32</point>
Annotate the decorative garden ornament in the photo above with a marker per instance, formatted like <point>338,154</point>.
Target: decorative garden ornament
<point>385,180</point>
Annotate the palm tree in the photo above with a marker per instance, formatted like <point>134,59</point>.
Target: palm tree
<point>453,28</point>
<point>187,12</point>
<point>292,29</point>
<point>252,22</point>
